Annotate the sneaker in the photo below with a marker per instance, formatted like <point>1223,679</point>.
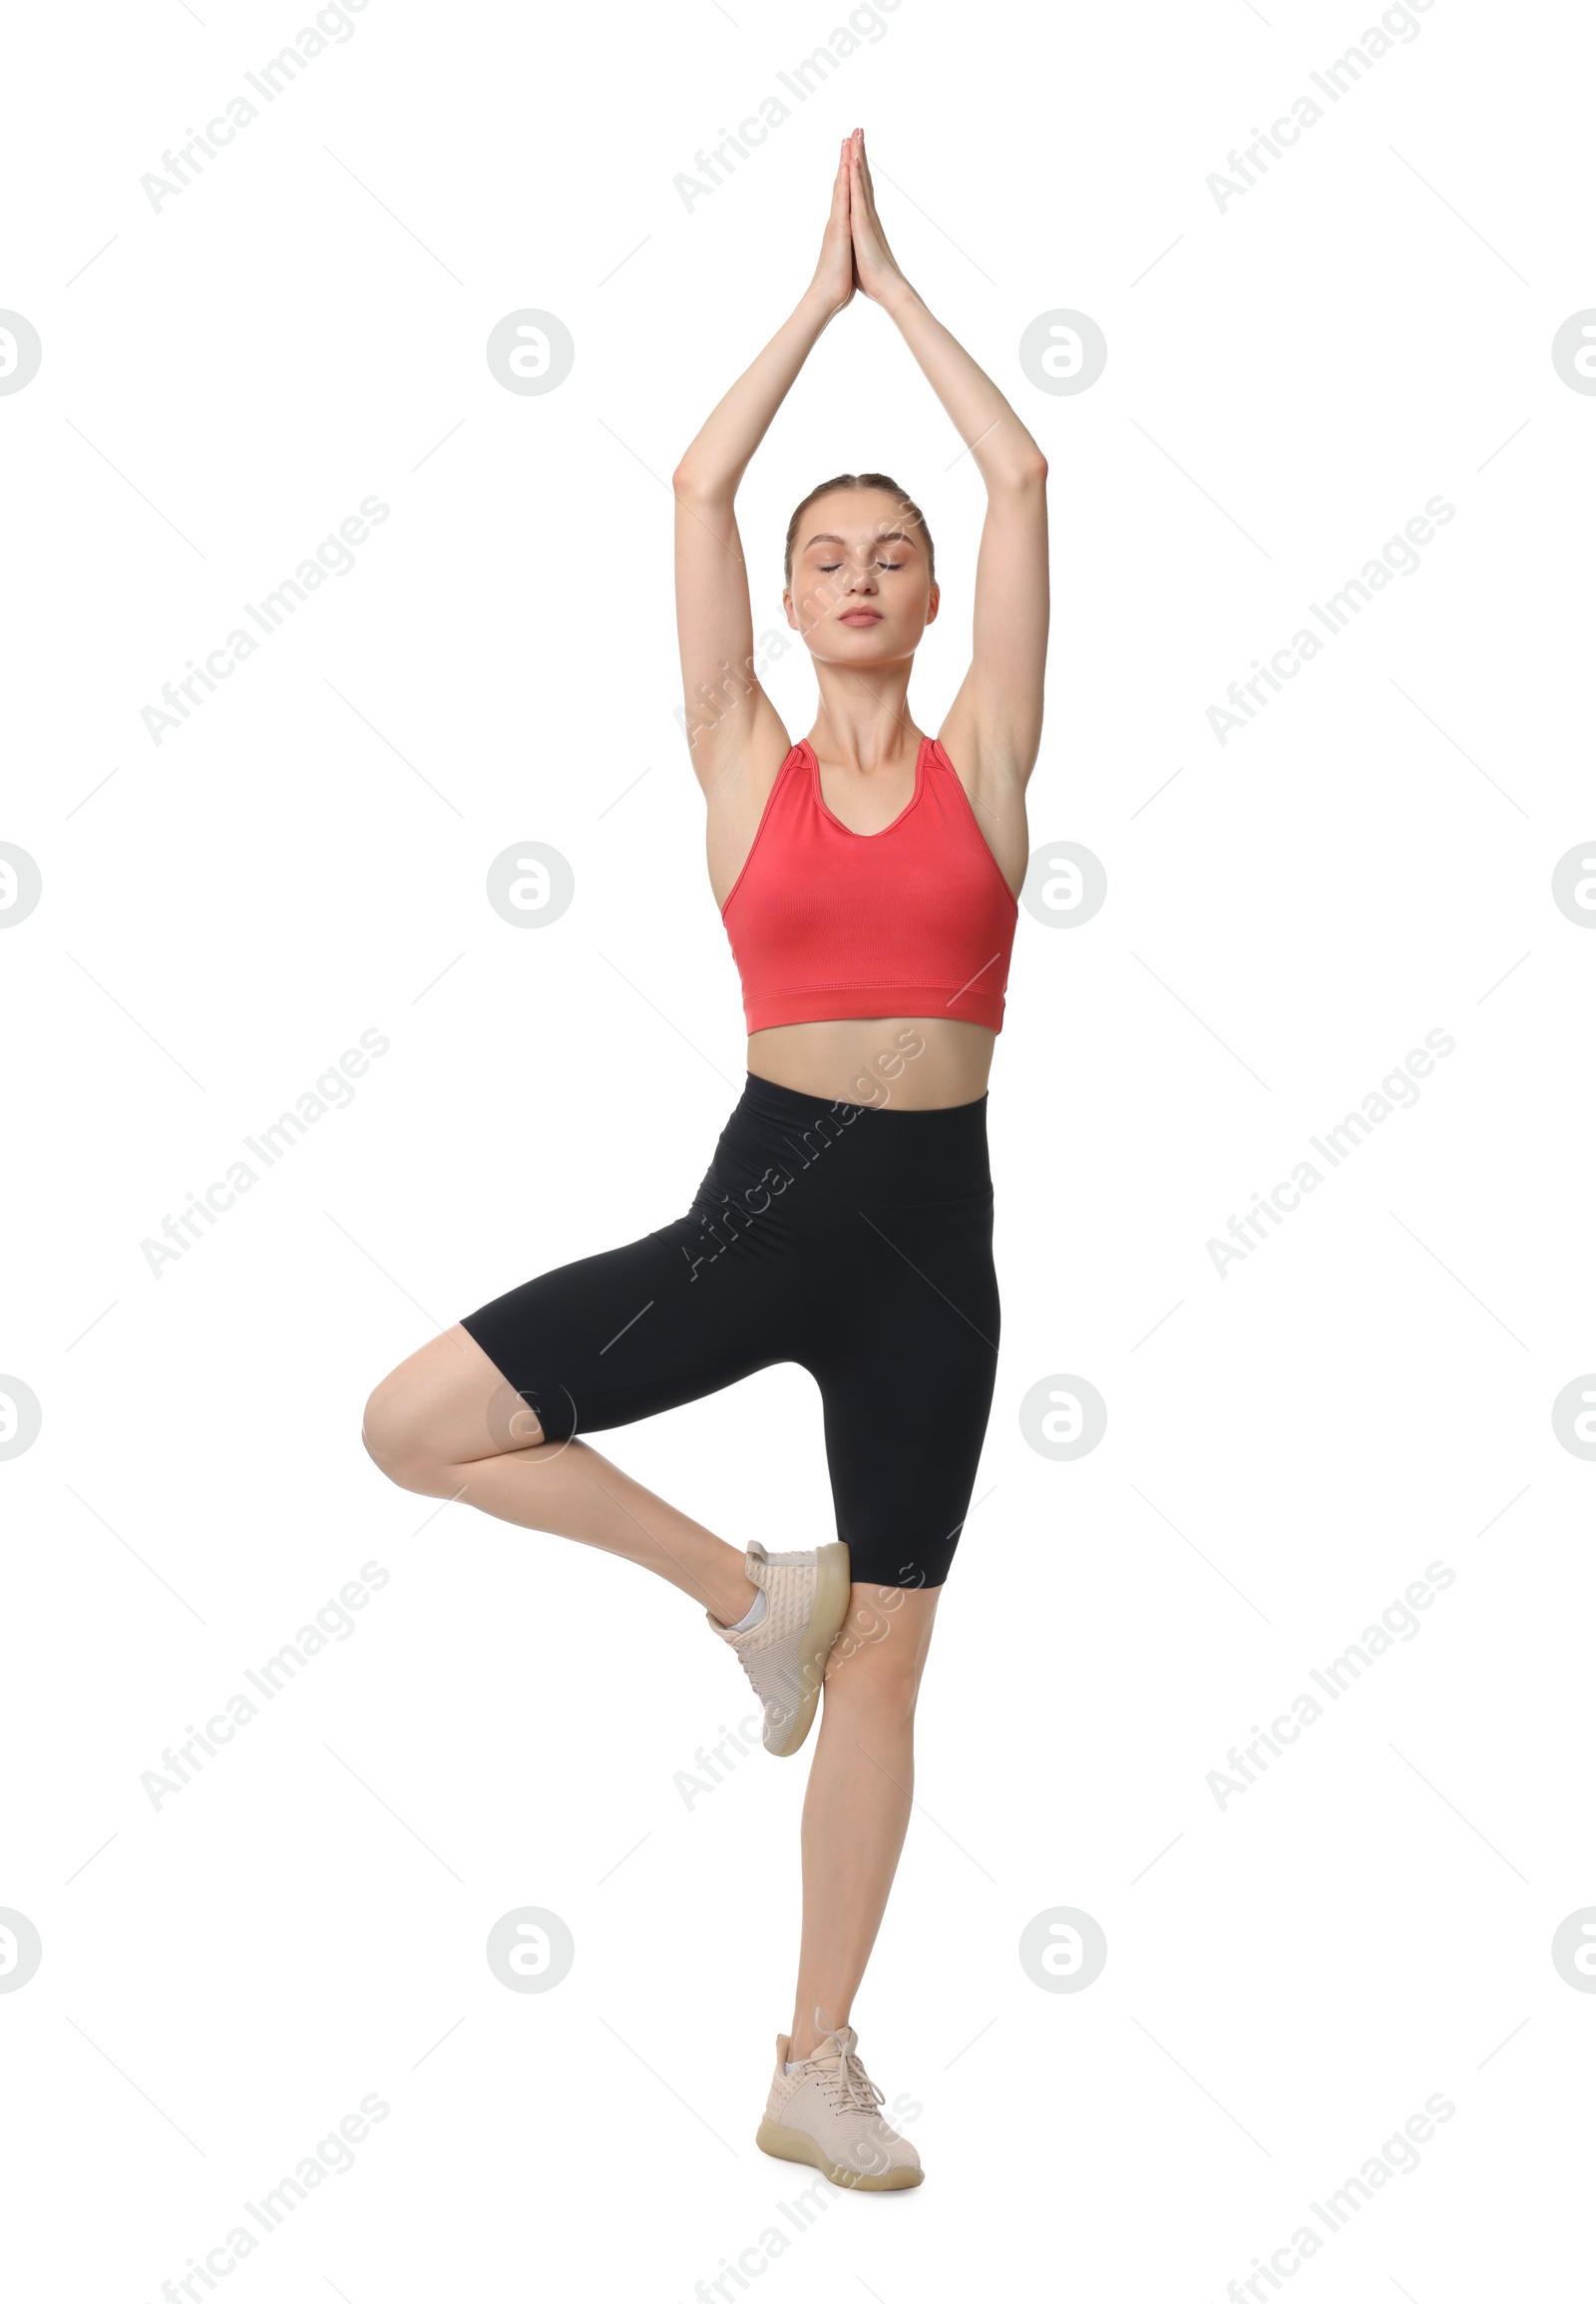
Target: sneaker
<point>827,2112</point>
<point>784,1654</point>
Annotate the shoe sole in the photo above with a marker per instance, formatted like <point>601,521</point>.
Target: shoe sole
<point>833,1584</point>
<point>794,2145</point>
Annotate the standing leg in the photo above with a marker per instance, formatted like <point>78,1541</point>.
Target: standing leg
<point>905,1382</point>
<point>855,1808</point>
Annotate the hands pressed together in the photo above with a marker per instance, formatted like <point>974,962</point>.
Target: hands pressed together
<point>854,253</point>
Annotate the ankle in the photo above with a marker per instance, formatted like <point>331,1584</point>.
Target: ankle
<point>732,1602</point>
<point>802,2044</point>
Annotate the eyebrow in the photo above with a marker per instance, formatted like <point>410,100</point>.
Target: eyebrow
<point>888,536</point>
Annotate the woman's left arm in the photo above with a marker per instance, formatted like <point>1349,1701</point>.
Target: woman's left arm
<point>994,726</point>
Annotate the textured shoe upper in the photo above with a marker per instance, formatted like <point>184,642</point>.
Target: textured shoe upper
<point>832,2098</point>
<point>770,1652</point>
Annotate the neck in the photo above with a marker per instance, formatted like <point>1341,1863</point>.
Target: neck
<point>863,721</point>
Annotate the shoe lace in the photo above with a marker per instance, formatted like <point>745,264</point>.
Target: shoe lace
<point>845,2080</point>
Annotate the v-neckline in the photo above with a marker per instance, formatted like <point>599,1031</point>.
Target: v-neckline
<point>911,802</point>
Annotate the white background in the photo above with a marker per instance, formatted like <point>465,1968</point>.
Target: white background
<point>1289,380</point>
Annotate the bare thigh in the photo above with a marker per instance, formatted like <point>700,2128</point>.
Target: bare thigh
<point>446,1405</point>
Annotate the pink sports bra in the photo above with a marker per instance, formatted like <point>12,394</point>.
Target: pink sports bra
<point>912,921</point>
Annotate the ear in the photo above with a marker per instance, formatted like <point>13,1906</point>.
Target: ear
<point>792,621</point>
<point>935,603</point>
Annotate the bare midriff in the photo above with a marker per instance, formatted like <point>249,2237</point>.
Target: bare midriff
<point>912,1063</point>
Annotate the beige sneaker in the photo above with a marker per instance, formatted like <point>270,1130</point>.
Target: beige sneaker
<point>827,2113</point>
<point>784,1654</point>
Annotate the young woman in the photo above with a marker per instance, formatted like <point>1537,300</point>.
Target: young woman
<point>867,877</point>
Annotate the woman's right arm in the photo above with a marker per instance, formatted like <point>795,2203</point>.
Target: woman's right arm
<point>729,717</point>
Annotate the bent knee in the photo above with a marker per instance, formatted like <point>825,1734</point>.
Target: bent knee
<point>395,1431</point>
<point>408,1435</point>
<point>423,1424</point>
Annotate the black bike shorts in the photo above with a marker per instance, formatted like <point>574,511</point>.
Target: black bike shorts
<point>854,1240</point>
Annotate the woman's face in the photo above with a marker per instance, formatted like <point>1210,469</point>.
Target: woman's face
<point>861,591</point>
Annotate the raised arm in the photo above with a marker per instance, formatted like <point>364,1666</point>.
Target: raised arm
<point>994,726</point>
<point>730,719</point>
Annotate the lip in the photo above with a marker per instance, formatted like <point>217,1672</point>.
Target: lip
<point>861,616</point>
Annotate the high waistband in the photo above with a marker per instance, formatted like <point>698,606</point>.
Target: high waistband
<point>861,1152</point>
